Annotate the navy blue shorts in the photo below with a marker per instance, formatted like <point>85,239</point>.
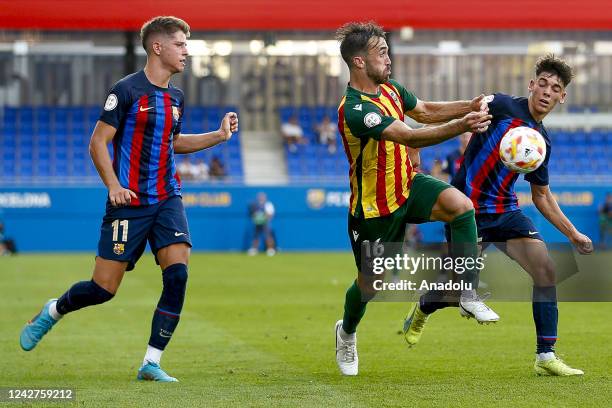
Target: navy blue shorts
<point>126,230</point>
<point>502,227</point>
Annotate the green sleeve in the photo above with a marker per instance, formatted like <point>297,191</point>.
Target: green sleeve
<point>408,98</point>
<point>365,120</point>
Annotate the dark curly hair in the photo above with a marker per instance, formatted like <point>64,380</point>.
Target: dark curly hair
<point>555,65</point>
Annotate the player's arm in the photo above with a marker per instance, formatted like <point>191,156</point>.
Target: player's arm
<point>415,158</point>
<point>545,202</point>
<point>101,137</point>
<point>190,143</point>
<point>399,132</point>
<point>434,112</point>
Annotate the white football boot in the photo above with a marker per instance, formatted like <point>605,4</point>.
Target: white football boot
<point>346,353</point>
<point>471,305</point>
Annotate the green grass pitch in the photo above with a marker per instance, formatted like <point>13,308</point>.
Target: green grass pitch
<point>258,331</point>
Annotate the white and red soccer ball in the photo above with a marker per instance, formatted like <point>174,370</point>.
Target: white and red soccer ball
<point>522,149</point>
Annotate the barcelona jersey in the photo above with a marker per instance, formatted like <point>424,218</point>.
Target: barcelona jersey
<point>380,171</point>
<point>147,118</point>
<point>482,176</point>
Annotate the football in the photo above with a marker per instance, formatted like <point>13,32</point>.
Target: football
<point>522,149</point>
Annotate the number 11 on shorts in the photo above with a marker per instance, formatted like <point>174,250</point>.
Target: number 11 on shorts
<point>124,225</point>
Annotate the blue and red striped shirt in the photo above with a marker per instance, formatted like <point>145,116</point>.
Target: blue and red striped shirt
<point>482,176</point>
<point>147,118</point>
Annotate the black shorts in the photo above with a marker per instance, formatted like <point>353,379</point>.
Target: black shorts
<point>126,230</point>
<point>502,227</point>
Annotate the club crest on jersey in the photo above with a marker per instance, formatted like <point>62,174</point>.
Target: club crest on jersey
<point>372,119</point>
<point>118,248</point>
<point>176,113</point>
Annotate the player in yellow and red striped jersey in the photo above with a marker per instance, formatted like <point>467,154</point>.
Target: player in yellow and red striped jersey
<point>386,192</point>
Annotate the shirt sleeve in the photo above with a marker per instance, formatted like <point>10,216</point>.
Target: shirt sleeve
<point>540,176</point>
<point>366,120</point>
<point>116,106</point>
<point>408,98</point>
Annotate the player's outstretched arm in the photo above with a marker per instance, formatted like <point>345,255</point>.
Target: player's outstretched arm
<point>545,202</point>
<point>399,132</point>
<point>193,143</point>
<point>435,112</point>
<point>101,137</point>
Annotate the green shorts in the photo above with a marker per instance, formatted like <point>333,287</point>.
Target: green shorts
<point>424,193</point>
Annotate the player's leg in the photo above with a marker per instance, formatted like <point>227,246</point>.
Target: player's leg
<point>255,243</point>
<point>101,288</point>
<point>169,239</point>
<point>269,241</point>
<point>532,255</point>
<point>384,229</point>
<point>122,241</point>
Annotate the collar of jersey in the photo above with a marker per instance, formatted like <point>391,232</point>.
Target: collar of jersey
<point>366,94</point>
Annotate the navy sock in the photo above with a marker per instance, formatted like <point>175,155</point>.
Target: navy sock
<point>82,294</point>
<point>545,317</point>
<point>168,312</point>
<point>433,300</point>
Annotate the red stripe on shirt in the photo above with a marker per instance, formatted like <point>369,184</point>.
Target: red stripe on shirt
<point>499,204</point>
<point>347,150</point>
<point>381,185</point>
<point>136,150</point>
<point>165,144</point>
<point>488,165</point>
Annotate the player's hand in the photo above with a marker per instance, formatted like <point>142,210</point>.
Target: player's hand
<point>120,196</point>
<point>476,122</point>
<point>229,125</point>
<point>479,104</point>
<point>582,243</point>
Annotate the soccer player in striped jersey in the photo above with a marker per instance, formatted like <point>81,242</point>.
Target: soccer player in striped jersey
<point>142,117</point>
<point>386,192</point>
<point>490,187</point>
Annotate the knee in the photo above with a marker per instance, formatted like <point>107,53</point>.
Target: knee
<point>462,205</point>
<point>175,276</point>
<point>545,274</point>
<point>99,294</point>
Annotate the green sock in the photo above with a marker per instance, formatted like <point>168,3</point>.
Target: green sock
<point>464,238</point>
<point>354,309</point>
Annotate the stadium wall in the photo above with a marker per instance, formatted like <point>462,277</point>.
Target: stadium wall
<point>307,217</point>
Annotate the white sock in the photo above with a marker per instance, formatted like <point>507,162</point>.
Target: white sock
<point>545,356</point>
<point>345,336</point>
<point>153,355</point>
<point>53,311</point>
<point>468,295</point>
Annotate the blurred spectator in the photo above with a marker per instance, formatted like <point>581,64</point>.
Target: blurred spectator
<point>200,170</point>
<point>327,131</point>
<point>217,169</point>
<point>454,160</point>
<point>186,169</point>
<point>261,213</point>
<point>605,221</point>
<point>437,172</point>
<point>7,245</point>
<point>292,134</point>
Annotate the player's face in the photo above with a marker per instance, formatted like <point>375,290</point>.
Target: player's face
<point>377,61</point>
<point>174,51</point>
<point>545,92</point>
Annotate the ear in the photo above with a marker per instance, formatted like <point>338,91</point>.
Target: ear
<point>358,61</point>
<point>156,47</point>
<point>563,95</point>
<point>531,85</point>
